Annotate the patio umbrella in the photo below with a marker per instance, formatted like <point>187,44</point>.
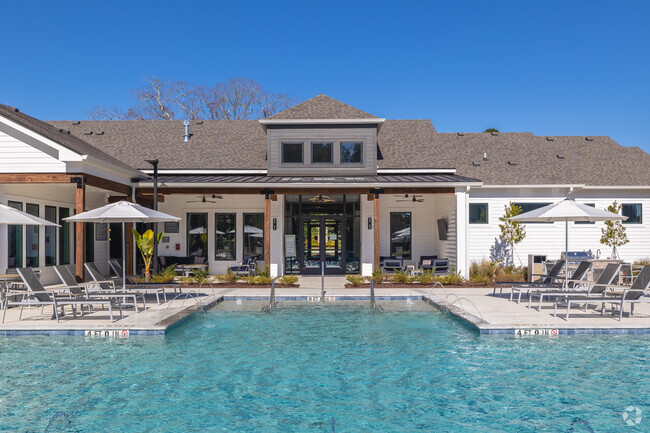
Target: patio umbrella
<point>567,210</point>
<point>11,216</point>
<point>122,212</point>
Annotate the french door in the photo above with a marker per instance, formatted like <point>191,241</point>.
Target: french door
<point>322,240</point>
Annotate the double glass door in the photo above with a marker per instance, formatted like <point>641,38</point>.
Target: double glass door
<point>322,240</point>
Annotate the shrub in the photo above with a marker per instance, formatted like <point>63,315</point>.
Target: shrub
<point>355,280</point>
<point>229,277</point>
<point>262,279</point>
<point>201,275</point>
<point>454,278</point>
<point>250,279</point>
<point>645,261</point>
<point>265,273</point>
<point>480,280</point>
<point>377,276</point>
<point>401,277</point>
<point>289,280</point>
<point>425,278</point>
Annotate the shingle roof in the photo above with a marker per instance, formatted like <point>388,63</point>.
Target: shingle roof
<point>562,160</point>
<point>322,107</point>
<point>61,136</point>
<point>404,144</point>
<point>512,158</point>
<point>223,144</point>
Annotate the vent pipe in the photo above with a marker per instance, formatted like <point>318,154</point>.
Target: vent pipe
<point>186,133</point>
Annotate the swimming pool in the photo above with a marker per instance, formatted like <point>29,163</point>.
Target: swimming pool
<point>299,369</point>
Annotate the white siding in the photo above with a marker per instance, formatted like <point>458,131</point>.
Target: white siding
<point>19,157</point>
<point>549,238</point>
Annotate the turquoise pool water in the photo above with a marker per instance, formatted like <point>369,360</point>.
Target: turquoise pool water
<point>297,368</point>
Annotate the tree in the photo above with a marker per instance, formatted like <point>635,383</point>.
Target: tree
<point>160,99</point>
<point>613,234</point>
<point>145,243</point>
<point>491,130</point>
<point>512,232</point>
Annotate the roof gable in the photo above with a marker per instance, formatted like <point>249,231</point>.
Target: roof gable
<point>322,107</point>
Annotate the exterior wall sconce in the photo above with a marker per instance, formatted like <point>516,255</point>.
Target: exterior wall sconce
<point>369,223</point>
<point>275,223</point>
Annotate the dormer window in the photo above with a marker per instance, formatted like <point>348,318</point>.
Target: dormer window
<point>292,153</point>
<point>351,152</point>
<point>321,152</point>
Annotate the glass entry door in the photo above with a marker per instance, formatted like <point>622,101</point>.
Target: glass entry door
<point>322,240</point>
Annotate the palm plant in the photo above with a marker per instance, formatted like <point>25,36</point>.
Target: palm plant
<point>145,243</point>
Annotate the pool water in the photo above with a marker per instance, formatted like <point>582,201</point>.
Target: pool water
<point>309,368</point>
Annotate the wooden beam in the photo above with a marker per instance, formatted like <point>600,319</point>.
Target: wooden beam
<point>106,184</point>
<point>36,177</point>
<point>376,233</point>
<point>267,231</point>
<point>80,244</point>
<point>274,197</point>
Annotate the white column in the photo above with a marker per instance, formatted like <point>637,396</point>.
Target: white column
<point>462,244</point>
<point>277,236</point>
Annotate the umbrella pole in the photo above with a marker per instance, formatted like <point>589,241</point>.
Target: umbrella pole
<point>123,256</point>
<point>566,253</point>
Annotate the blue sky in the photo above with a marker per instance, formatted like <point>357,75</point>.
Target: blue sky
<point>550,67</point>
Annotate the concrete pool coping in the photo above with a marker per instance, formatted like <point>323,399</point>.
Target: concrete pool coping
<point>477,310</point>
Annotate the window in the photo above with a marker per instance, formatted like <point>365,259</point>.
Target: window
<point>64,236</point>
<point>254,235</point>
<point>633,213</point>
<point>50,237</point>
<point>478,213</point>
<point>292,153</point>
<point>15,240</point>
<point>400,235</point>
<point>351,152</point>
<point>225,236</point>
<point>321,153</point>
<point>89,233</point>
<point>527,207</point>
<point>31,238</point>
<point>197,235</point>
<point>586,222</point>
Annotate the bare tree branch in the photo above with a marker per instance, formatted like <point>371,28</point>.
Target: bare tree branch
<point>237,98</point>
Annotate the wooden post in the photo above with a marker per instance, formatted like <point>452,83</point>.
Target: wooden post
<point>376,232</point>
<point>80,244</point>
<point>267,230</point>
<point>129,248</point>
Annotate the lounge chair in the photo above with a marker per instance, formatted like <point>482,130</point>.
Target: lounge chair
<point>392,264</point>
<point>70,283</point>
<point>426,263</point>
<point>634,294</point>
<point>247,267</point>
<point>441,267</point>
<point>544,280</point>
<point>36,295</point>
<point>115,285</point>
<point>117,268</point>
<point>577,278</point>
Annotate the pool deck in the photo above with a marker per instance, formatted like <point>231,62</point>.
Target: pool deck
<point>475,307</point>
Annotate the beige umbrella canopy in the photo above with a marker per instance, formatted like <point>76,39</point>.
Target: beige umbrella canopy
<point>122,212</point>
<point>567,210</point>
<point>11,216</point>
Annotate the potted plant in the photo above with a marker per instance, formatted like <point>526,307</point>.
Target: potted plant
<point>145,243</point>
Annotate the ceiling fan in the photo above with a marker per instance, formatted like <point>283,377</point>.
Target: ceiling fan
<point>203,199</point>
<point>415,198</point>
<point>321,199</point>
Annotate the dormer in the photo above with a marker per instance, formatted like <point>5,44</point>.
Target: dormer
<point>321,136</point>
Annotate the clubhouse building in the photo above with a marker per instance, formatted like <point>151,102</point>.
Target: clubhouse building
<point>319,186</point>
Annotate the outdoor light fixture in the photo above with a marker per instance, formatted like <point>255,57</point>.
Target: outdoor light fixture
<point>369,223</point>
<point>275,223</point>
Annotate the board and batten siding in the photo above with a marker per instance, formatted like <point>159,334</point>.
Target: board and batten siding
<point>275,137</point>
<point>549,238</point>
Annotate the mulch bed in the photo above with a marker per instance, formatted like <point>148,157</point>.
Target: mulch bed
<point>236,286</point>
<point>412,286</point>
